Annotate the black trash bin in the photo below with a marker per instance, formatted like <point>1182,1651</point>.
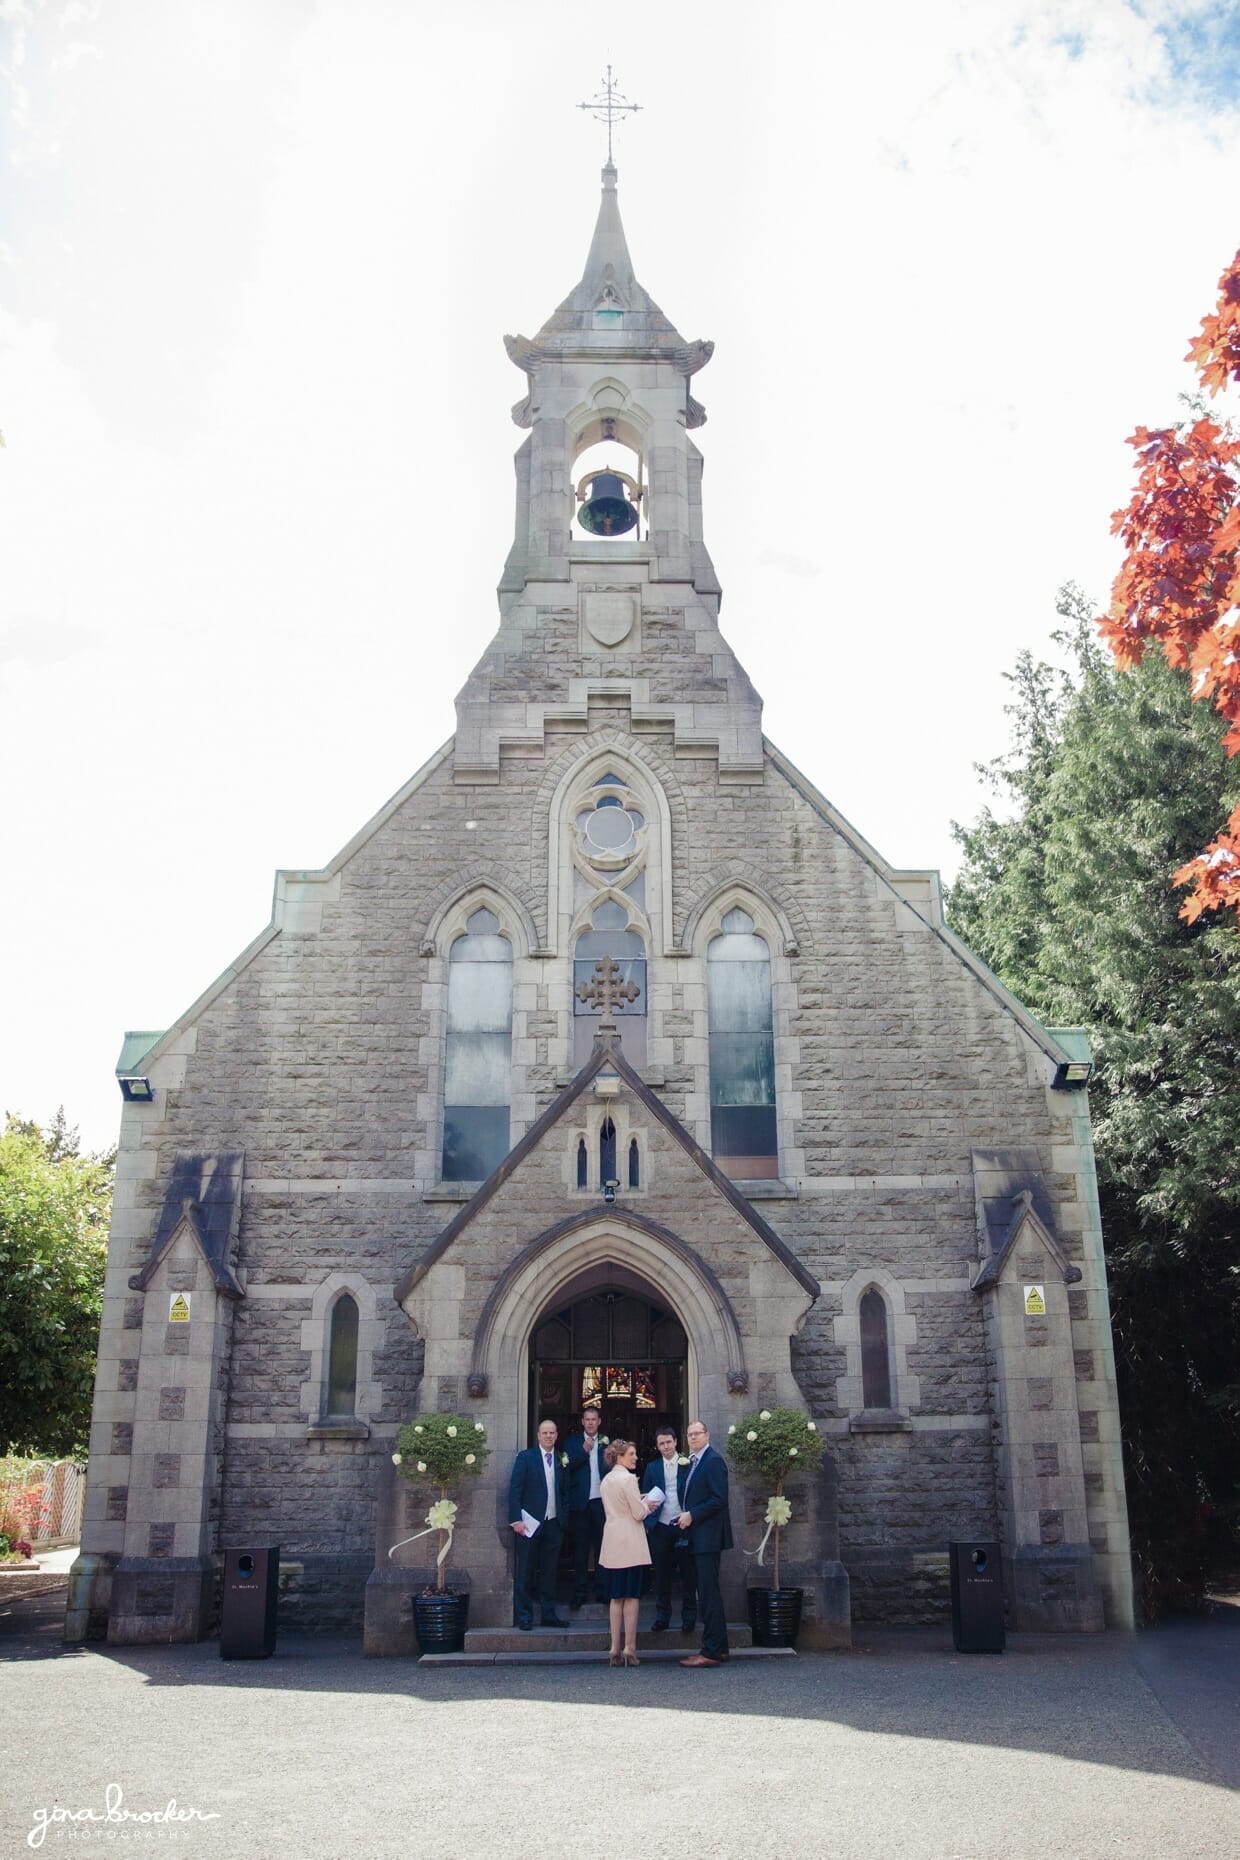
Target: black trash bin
<point>248,1611</point>
<point>977,1597</point>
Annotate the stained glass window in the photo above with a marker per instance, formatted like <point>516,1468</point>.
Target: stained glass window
<point>608,936</point>
<point>742,1050</point>
<point>479,1051</point>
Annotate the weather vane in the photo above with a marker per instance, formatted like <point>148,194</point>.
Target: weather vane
<point>607,106</point>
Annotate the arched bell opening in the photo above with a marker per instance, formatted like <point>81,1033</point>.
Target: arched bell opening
<point>610,1340</point>
<point>608,486</point>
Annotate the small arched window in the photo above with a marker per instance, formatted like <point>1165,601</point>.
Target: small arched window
<point>742,1050</point>
<point>875,1350</point>
<point>607,1153</point>
<point>635,1168</point>
<point>478,1067</point>
<point>583,1167</point>
<point>342,1360</point>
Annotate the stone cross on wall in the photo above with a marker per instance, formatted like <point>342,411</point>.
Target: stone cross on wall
<point>606,990</point>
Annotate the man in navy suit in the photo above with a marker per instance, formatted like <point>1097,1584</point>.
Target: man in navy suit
<point>706,1523</point>
<point>585,1508</point>
<point>539,1486</point>
<point>669,1552</point>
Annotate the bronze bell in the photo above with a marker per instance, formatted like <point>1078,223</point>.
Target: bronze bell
<point>607,511</point>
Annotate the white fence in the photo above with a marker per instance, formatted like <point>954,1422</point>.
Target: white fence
<point>52,1493</point>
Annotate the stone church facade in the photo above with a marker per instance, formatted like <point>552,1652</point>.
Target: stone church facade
<point>401,1157</point>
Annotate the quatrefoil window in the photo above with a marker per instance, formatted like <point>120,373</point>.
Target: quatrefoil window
<point>609,829</point>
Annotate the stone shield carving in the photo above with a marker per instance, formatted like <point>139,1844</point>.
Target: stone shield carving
<point>610,617</point>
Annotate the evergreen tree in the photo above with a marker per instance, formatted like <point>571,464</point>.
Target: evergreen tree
<point>1113,778</point>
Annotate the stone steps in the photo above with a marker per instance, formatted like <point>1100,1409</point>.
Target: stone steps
<point>551,1658</point>
<point>587,1641</point>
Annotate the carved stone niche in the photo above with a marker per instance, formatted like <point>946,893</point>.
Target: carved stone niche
<point>476,1385</point>
<point>738,1382</point>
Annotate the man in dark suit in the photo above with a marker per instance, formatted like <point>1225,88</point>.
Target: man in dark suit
<point>705,1521</point>
<point>669,1552</point>
<point>585,1507</point>
<point>539,1487</point>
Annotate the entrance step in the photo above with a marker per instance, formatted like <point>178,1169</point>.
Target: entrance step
<point>588,1639</point>
<point>573,1658</point>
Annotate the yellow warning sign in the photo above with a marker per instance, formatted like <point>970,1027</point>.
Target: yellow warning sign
<point>178,1308</point>
<point>1035,1301</point>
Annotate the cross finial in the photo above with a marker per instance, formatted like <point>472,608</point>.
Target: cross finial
<point>606,990</point>
<point>607,106</point>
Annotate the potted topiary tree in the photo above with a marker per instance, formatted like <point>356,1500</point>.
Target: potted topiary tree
<point>440,1450</point>
<point>775,1445</point>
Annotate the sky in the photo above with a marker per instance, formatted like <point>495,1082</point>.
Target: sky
<point>257,258</point>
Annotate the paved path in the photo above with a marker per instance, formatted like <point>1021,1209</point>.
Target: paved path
<point>900,1750</point>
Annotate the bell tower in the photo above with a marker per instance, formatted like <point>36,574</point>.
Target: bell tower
<point>608,367</point>
<point>609,599</point>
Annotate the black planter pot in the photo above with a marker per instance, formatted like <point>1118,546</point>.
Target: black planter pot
<point>775,1616</point>
<point>439,1621</point>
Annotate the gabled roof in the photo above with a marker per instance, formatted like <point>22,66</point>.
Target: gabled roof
<point>608,1055</point>
<point>1022,1214</point>
<point>204,1196</point>
<point>1050,1041</point>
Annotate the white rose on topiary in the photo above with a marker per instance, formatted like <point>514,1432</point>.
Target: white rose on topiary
<point>396,1458</point>
<point>470,1458</point>
<point>732,1429</point>
<point>418,1428</point>
<point>812,1426</point>
<point>765,1415</point>
<point>451,1433</point>
<point>751,1435</point>
<point>421,1465</point>
<point>792,1453</point>
<point>480,1429</point>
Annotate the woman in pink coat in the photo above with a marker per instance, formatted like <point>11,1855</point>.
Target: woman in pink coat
<point>625,1553</point>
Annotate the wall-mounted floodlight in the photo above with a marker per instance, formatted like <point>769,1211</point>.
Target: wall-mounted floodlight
<point>609,1189</point>
<point>136,1090</point>
<point>1072,1075</point>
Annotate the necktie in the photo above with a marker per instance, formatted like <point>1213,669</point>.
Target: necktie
<point>547,1457</point>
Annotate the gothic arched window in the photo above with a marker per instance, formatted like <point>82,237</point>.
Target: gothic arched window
<point>478,1059</point>
<point>609,935</point>
<point>635,1168</point>
<point>742,1050</point>
<point>875,1350</point>
<point>342,1360</point>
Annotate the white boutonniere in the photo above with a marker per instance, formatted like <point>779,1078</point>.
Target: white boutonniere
<point>605,1440</point>
<point>563,1459</point>
<point>682,1459</point>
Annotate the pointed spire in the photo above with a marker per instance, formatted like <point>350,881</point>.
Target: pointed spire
<point>609,283</point>
<point>609,261</point>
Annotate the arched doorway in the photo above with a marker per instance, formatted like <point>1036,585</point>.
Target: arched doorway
<point>617,1348</point>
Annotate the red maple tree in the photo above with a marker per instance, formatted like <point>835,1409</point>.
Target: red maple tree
<point>1179,586</point>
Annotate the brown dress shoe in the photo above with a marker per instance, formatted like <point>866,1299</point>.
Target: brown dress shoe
<point>700,1659</point>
